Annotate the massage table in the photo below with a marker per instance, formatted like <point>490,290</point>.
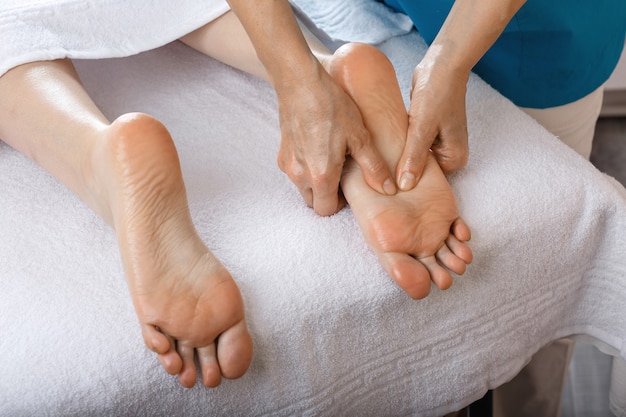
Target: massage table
<point>333,335</point>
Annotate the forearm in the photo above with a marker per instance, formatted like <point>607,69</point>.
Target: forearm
<point>471,28</point>
<point>278,40</point>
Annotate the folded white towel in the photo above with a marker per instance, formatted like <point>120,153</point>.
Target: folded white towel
<point>33,30</point>
<point>365,21</point>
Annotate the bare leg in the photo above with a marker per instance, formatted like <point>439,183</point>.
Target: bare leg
<point>128,172</point>
<point>417,235</point>
<point>226,40</point>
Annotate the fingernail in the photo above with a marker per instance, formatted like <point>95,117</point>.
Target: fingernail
<point>389,187</point>
<point>407,181</point>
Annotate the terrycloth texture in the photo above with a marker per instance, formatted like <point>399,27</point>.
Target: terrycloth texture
<point>365,21</point>
<point>33,30</point>
<point>333,335</point>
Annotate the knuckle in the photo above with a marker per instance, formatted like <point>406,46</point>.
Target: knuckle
<point>325,176</point>
<point>297,173</point>
<point>377,167</point>
<point>320,182</point>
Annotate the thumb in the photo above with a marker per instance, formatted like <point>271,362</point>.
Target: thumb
<point>374,168</point>
<point>411,164</point>
<point>452,151</point>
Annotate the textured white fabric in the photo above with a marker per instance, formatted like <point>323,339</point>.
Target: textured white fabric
<point>333,335</point>
<point>367,21</point>
<point>35,30</point>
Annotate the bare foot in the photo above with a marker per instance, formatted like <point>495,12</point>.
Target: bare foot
<point>417,235</point>
<point>185,299</point>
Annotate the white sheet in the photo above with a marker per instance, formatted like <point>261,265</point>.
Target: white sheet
<point>333,335</point>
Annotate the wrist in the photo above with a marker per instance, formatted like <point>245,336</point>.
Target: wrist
<point>444,64</point>
<point>285,74</point>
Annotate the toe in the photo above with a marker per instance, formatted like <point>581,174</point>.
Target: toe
<point>188,374</point>
<point>409,273</point>
<point>439,275</point>
<point>211,374</point>
<point>449,260</point>
<point>235,350</point>
<point>461,230</point>
<point>171,362</point>
<point>460,249</point>
<point>154,339</point>
<point>169,359</point>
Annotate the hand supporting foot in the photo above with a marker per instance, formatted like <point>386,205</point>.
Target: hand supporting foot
<point>417,235</point>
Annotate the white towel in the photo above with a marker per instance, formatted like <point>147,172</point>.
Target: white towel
<point>366,21</point>
<point>333,335</point>
<point>34,30</point>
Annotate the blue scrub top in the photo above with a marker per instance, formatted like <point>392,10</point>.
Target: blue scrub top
<point>552,52</point>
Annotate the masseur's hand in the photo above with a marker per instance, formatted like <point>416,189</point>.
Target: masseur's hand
<point>437,118</point>
<point>437,122</point>
<point>320,125</point>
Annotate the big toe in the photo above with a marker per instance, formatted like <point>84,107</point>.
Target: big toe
<point>409,273</point>
<point>235,350</point>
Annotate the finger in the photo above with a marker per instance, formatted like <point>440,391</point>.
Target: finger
<point>413,160</point>
<point>209,367</point>
<point>323,202</point>
<point>326,195</point>
<point>327,204</point>
<point>374,168</point>
<point>342,199</point>
<point>298,176</point>
<point>188,374</point>
<point>451,148</point>
<point>307,195</point>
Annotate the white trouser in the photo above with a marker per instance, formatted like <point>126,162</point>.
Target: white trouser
<point>573,123</point>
